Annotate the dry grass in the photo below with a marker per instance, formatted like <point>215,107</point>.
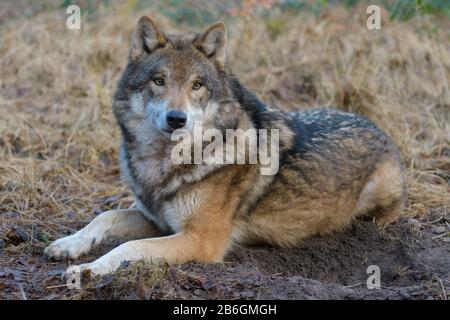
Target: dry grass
<point>59,140</point>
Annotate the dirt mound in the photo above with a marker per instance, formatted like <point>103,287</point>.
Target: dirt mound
<point>335,266</point>
<point>402,255</point>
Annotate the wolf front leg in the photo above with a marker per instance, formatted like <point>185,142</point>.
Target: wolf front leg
<point>205,235</point>
<point>121,225</point>
<point>178,248</point>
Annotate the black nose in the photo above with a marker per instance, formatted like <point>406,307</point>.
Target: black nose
<point>176,119</point>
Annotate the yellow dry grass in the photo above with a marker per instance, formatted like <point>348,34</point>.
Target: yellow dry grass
<point>59,140</point>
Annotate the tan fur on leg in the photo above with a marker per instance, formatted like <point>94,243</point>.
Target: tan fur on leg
<point>205,236</point>
<point>177,248</point>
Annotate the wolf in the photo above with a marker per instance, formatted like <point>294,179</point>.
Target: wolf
<point>333,166</point>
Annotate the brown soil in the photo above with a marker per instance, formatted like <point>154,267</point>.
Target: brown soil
<point>413,258</point>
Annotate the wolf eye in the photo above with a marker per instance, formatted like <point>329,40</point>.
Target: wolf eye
<point>159,81</point>
<point>197,85</point>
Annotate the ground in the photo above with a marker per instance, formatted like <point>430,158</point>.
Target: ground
<point>412,256</point>
<point>59,142</point>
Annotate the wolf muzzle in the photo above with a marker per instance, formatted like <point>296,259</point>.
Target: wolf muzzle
<point>176,119</point>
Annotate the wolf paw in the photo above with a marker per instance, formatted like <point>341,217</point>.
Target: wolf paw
<point>70,247</point>
<point>94,268</point>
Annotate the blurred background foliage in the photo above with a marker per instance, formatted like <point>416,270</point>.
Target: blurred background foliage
<point>201,12</point>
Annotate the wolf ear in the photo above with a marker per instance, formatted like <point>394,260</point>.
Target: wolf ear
<point>213,43</point>
<point>146,38</point>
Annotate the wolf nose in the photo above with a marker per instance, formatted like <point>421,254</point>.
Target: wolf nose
<point>176,119</point>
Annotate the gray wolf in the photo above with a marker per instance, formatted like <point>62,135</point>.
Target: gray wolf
<point>333,166</point>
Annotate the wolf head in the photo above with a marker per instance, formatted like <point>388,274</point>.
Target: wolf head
<point>171,81</point>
